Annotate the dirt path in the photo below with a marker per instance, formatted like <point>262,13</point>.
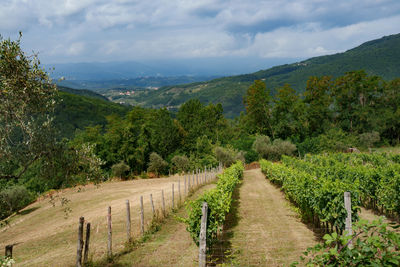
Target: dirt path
<point>46,237</point>
<point>268,232</point>
<point>171,246</point>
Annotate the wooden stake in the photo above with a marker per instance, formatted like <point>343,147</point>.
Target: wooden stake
<point>128,221</point>
<point>87,239</point>
<point>184,187</point>
<point>347,205</point>
<point>163,202</point>
<point>80,243</point>
<point>141,216</point>
<point>179,190</point>
<point>109,243</point>
<point>203,236</point>
<point>152,205</point>
<point>173,197</point>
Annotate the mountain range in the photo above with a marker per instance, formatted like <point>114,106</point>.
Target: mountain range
<point>378,57</point>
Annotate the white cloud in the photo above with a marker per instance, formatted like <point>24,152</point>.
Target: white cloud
<point>101,30</point>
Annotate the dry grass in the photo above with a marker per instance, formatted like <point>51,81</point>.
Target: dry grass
<point>46,238</point>
<point>171,246</point>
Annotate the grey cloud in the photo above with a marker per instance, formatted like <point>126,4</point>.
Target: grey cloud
<point>101,30</point>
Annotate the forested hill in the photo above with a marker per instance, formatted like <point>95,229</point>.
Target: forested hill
<point>82,92</point>
<point>77,109</point>
<point>379,57</point>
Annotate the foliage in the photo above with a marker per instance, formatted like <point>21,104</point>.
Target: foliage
<point>372,244</point>
<point>180,163</point>
<point>369,139</point>
<point>219,203</point>
<point>6,261</point>
<point>227,156</point>
<point>258,111</point>
<point>318,196</point>
<point>26,104</point>
<point>157,164</point>
<point>13,199</point>
<point>120,169</point>
<point>265,149</point>
<point>75,112</point>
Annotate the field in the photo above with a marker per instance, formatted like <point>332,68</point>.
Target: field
<point>45,236</point>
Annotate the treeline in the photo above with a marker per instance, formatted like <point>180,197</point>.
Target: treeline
<point>332,114</point>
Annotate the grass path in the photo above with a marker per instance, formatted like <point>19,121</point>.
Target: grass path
<point>171,246</point>
<point>267,231</point>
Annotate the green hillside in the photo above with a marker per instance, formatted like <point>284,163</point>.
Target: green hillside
<point>78,111</point>
<point>82,92</point>
<point>379,57</point>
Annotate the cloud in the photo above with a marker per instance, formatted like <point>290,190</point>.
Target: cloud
<point>102,30</point>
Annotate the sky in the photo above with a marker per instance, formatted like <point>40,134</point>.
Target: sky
<point>63,31</point>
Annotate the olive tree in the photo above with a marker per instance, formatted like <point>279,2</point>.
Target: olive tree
<point>27,100</point>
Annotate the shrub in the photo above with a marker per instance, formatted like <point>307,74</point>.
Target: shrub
<point>262,146</point>
<point>336,140</point>
<point>13,199</point>
<point>369,139</point>
<point>265,149</point>
<point>157,164</point>
<point>120,169</point>
<point>281,147</point>
<point>180,163</point>
<point>228,156</point>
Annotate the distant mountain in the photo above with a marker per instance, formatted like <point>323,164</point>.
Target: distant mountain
<point>122,71</point>
<point>378,57</point>
<point>143,83</point>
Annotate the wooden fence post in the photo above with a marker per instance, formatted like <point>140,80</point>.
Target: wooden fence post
<point>87,239</point>
<point>128,221</point>
<point>347,205</point>
<point>109,243</point>
<point>179,190</point>
<point>152,205</point>
<point>80,242</point>
<point>173,197</point>
<point>203,236</point>
<point>163,202</point>
<point>141,216</point>
<point>184,187</point>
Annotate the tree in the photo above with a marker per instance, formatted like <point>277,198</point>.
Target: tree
<point>27,99</point>
<point>287,113</point>
<point>157,164</point>
<point>356,98</point>
<point>317,100</point>
<point>258,110</point>
<point>180,163</point>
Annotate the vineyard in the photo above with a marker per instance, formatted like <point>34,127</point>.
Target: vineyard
<point>316,185</point>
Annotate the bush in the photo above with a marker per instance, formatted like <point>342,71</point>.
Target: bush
<point>120,169</point>
<point>265,149</point>
<point>369,139</point>
<point>336,140</point>
<point>262,146</point>
<point>180,163</point>
<point>281,147</point>
<point>228,156</point>
<point>13,199</point>
<point>157,164</point>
